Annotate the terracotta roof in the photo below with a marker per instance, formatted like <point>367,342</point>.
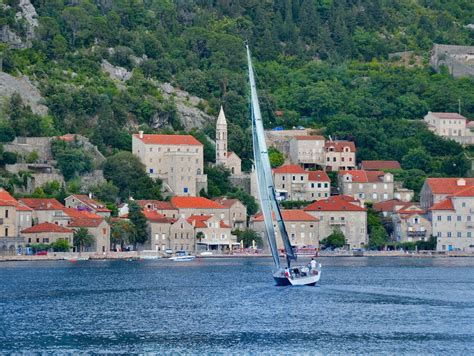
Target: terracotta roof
<point>380,165</point>
<point>448,185</point>
<point>169,140</point>
<point>466,192</point>
<point>411,208</point>
<point>46,227</point>
<point>156,204</point>
<point>289,215</point>
<point>75,214</point>
<point>310,138</point>
<point>226,201</point>
<point>447,115</point>
<point>388,205</point>
<point>85,222</point>
<point>318,176</point>
<point>340,145</point>
<point>199,220</point>
<point>194,202</point>
<point>42,203</point>
<point>289,168</point>
<point>66,137</point>
<point>94,204</point>
<point>6,199</point>
<point>337,203</point>
<point>470,125</point>
<point>446,204</point>
<point>154,216</point>
<point>361,176</point>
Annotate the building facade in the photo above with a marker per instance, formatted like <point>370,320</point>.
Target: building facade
<point>339,155</point>
<point>47,233</point>
<point>373,186</point>
<point>223,156</point>
<point>343,213</point>
<point>435,190</point>
<point>176,159</point>
<point>411,224</point>
<point>450,125</point>
<point>307,150</point>
<point>85,202</point>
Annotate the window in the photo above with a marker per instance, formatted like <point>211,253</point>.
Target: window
<point>469,234</point>
<point>302,178</point>
<point>294,178</point>
<point>6,232</point>
<point>459,218</point>
<point>374,195</point>
<point>283,178</point>
<point>361,186</point>
<point>385,196</point>
<point>438,234</point>
<point>334,159</point>
<point>385,186</point>
<point>312,185</point>
<point>46,240</point>
<point>326,185</point>
<point>349,186</point>
<point>449,234</point>
<point>449,217</point>
<point>151,170</point>
<point>469,218</point>
<point>459,234</point>
<point>302,235</point>
<point>104,231</point>
<point>463,205</point>
<point>439,218</point>
<point>283,186</point>
<point>374,186</point>
<point>416,220</point>
<point>186,189</point>
<point>6,214</point>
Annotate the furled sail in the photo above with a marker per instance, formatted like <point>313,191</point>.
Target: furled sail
<point>264,176</point>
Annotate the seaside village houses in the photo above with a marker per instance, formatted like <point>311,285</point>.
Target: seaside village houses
<point>45,221</point>
<point>192,223</point>
<point>176,159</point>
<point>373,186</point>
<point>452,126</point>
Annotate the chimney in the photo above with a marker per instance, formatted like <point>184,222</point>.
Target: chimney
<point>140,134</point>
<point>90,195</point>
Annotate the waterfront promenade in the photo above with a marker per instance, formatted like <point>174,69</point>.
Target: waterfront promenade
<point>149,254</point>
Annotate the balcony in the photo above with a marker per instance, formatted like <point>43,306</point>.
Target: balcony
<point>337,222</point>
<point>416,233</point>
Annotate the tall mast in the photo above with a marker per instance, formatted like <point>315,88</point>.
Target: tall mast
<point>264,175</point>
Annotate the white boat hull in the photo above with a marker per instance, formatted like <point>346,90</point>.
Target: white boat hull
<point>182,258</point>
<point>310,279</point>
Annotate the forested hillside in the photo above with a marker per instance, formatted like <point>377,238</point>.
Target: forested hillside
<point>323,63</point>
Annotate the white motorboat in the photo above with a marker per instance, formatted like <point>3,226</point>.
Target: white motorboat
<point>295,276</point>
<point>182,258</point>
<point>75,259</point>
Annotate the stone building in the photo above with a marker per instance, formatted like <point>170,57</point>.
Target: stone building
<point>188,206</point>
<point>237,212</point>
<point>435,190</point>
<point>411,224</point>
<point>453,221</point>
<point>307,150</point>
<point>225,157</point>
<point>98,227</point>
<point>176,159</point>
<point>217,234</point>
<point>47,233</point>
<point>302,229</point>
<point>459,60</point>
<point>373,186</point>
<point>85,202</point>
<point>46,210</point>
<point>339,155</point>
<point>294,183</point>
<point>343,213</point>
<point>450,125</point>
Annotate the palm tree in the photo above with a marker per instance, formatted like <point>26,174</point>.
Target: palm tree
<point>83,238</point>
<point>199,236</point>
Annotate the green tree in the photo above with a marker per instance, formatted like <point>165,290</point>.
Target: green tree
<point>378,237</point>
<point>334,240</point>
<point>122,233</point>
<point>60,246</point>
<point>276,157</point>
<point>137,218</point>
<point>248,237</point>
<point>128,174</point>
<point>82,239</point>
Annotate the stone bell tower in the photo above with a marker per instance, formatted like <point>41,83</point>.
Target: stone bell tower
<point>221,139</point>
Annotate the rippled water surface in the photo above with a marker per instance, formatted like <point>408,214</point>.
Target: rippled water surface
<point>362,305</point>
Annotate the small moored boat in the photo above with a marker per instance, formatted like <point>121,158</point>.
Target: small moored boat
<point>186,258</point>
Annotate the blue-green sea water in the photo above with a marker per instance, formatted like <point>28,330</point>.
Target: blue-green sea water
<point>362,306</point>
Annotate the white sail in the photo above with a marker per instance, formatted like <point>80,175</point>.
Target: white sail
<point>264,176</point>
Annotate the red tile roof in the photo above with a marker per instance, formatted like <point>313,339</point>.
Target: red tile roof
<point>42,203</point>
<point>318,176</point>
<point>169,140</point>
<point>411,208</point>
<point>46,227</point>
<point>154,216</point>
<point>75,214</point>
<point>446,204</point>
<point>340,145</point>
<point>466,192</point>
<point>289,215</point>
<point>66,137</point>
<point>194,202</point>
<point>199,220</point>
<point>360,176</point>
<point>289,168</point>
<point>447,115</point>
<point>85,222</point>
<point>93,204</point>
<point>6,199</point>
<point>380,165</point>
<point>336,203</point>
<point>226,201</point>
<point>156,204</point>
<point>447,185</point>
<point>388,205</point>
<point>310,138</point>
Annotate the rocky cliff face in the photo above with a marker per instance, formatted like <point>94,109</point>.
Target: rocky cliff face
<point>28,16</point>
<point>23,86</point>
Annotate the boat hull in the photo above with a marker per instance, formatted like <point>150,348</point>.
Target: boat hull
<point>182,258</point>
<point>309,280</point>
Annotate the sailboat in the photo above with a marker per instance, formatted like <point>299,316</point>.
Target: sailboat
<point>283,276</point>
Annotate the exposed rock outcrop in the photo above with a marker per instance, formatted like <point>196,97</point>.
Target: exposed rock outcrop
<point>23,86</point>
<point>115,72</point>
<point>29,16</point>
